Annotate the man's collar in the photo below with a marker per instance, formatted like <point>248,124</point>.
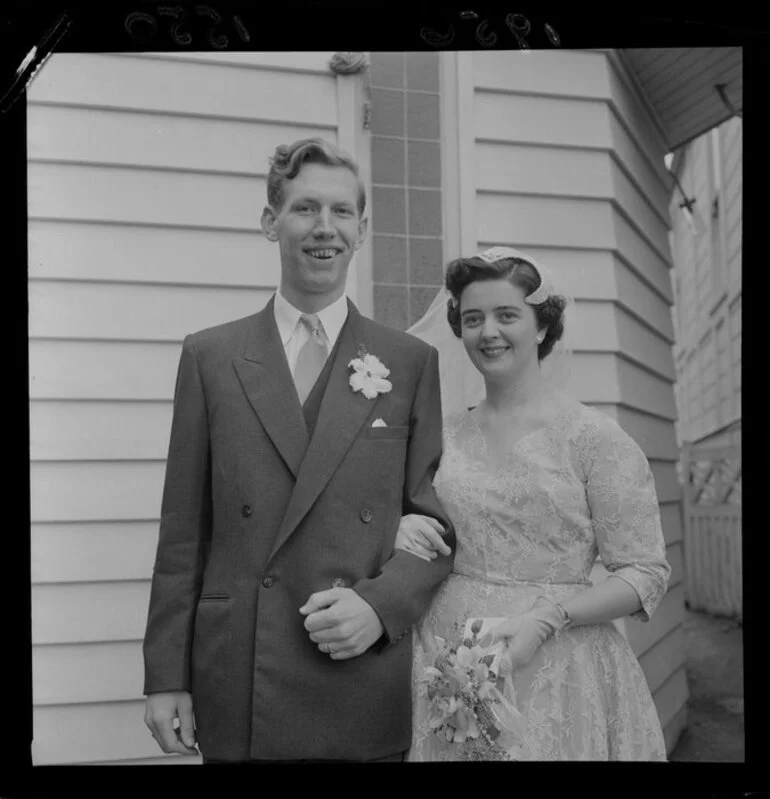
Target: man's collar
<point>287,317</point>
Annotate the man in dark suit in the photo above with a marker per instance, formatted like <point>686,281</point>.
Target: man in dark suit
<point>280,612</point>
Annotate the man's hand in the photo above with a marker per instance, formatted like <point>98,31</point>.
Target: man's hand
<point>422,536</point>
<point>160,710</point>
<point>342,623</point>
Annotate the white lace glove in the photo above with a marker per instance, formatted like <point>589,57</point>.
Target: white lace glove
<point>525,634</point>
<point>421,536</point>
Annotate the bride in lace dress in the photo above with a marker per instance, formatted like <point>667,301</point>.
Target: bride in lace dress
<point>537,485</point>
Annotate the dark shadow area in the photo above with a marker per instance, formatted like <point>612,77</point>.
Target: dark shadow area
<point>715,730</point>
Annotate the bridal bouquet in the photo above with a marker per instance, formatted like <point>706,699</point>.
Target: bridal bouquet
<point>467,708</point>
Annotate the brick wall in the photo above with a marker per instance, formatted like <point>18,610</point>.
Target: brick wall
<point>406,185</point>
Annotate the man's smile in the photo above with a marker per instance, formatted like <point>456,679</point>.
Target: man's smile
<point>322,253</point>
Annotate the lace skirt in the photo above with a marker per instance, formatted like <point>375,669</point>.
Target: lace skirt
<point>584,695</point>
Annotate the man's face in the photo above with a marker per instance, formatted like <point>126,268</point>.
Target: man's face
<point>318,230</point>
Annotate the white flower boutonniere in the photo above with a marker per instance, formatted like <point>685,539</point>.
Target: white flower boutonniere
<point>369,375</point>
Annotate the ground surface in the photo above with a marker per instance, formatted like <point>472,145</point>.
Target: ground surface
<point>715,675</point>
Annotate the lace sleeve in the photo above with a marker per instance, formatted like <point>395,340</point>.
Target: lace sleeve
<point>624,511</point>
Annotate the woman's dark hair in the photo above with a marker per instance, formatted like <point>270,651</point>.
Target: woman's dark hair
<point>549,315</point>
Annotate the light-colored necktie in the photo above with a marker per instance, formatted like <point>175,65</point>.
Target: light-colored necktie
<point>311,358</point>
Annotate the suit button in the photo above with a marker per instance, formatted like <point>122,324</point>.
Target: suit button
<point>366,515</point>
<point>246,511</point>
<point>267,581</point>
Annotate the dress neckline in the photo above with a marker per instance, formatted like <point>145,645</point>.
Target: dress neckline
<point>557,417</point>
<point>480,431</point>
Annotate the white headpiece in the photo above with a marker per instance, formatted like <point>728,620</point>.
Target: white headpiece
<point>543,291</point>
<point>462,385</point>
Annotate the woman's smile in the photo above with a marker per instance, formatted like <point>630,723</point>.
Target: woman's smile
<point>493,351</point>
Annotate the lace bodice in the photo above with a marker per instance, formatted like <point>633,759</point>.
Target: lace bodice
<point>573,489</point>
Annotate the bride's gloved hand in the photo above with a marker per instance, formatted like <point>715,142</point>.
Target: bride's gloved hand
<point>422,536</point>
<point>525,634</point>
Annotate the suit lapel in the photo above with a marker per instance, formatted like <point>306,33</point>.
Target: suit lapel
<point>264,374</point>
<point>341,416</point>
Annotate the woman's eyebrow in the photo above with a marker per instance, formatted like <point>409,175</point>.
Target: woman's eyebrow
<point>496,308</point>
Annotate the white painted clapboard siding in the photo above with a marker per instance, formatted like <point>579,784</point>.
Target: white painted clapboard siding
<point>88,370</point>
<point>141,197</point>
<point>95,733</point>
<point>732,132</point>
<point>710,287</point>
<point>246,90</point>
<point>117,252</point>
<point>733,199</point>
<point>133,312</point>
<point>93,551</point>
<point>146,183</point>
<point>566,162</point>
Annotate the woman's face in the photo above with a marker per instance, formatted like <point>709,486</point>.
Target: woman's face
<point>499,329</point>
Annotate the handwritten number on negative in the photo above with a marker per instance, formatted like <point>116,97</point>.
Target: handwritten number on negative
<point>219,42</point>
<point>180,17</point>
<point>137,24</point>
<point>519,26</point>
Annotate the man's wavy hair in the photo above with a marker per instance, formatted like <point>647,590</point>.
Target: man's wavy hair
<point>289,159</point>
<point>549,315</point>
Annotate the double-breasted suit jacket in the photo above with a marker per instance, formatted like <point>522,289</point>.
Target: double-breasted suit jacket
<point>263,507</point>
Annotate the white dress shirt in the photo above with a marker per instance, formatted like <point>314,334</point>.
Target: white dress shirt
<point>294,334</point>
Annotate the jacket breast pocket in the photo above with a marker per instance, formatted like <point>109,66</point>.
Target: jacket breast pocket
<point>213,598</point>
<point>398,433</point>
